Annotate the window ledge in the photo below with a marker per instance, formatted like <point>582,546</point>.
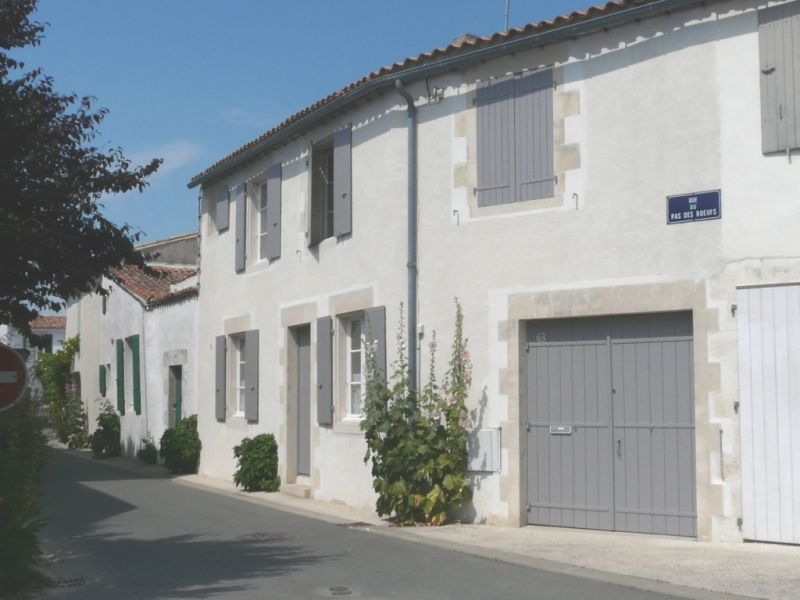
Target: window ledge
<point>348,425</point>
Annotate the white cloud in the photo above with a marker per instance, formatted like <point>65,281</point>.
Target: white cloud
<point>175,154</point>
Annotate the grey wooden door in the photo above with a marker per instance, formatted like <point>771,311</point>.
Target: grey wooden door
<point>654,455</point>
<point>569,424</point>
<point>611,423</point>
<point>303,400</point>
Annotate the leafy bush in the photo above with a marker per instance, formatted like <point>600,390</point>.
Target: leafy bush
<point>257,468</point>
<point>105,440</point>
<point>417,441</point>
<point>22,453</point>
<point>180,446</point>
<point>148,453</point>
<point>61,396</point>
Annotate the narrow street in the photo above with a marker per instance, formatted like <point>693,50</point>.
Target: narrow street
<point>116,535</point>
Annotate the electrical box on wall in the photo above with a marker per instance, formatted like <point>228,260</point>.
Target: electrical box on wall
<point>483,446</point>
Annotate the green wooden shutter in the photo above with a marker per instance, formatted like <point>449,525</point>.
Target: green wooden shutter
<point>102,380</point>
<point>137,385</point>
<point>121,377</point>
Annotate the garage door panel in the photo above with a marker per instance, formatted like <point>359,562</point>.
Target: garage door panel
<point>569,484</point>
<point>654,427</point>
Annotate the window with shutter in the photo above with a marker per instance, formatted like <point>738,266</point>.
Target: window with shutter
<point>120,377</point>
<point>331,188</point>
<point>515,138</point>
<point>102,382</point>
<point>779,64</point>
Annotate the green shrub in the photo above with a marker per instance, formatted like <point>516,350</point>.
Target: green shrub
<point>61,396</point>
<point>180,446</point>
<point>22,453</point>
<point>148,453</point>
<point>257,469</point>
<point>105,440</point>
<point>417,441</point>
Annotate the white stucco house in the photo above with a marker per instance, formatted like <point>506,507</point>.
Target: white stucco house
<point>138,343</point>
<point>613,197</point>
<point>47,335</point>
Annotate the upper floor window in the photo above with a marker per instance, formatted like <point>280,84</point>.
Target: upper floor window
<point>267,203</point>
<point>331,201</point>
<point>322,191</point>
<point>779,63</point>
<point>515,138</point>
<point>263,228</point>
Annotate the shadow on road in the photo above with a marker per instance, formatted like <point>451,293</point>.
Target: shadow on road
<point>122,550</point>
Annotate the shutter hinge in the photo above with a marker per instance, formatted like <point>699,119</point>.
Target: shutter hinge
<point>528,508</point>
<point>528,427</point>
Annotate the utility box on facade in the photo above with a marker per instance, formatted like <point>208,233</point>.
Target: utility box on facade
<point>483,446</point>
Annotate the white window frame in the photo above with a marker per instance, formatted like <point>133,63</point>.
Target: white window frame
<point>262,227</point>
<point>237,368</point>
<point>350,352</point>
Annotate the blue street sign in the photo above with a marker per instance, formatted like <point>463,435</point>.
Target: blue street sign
<point>699,206</point>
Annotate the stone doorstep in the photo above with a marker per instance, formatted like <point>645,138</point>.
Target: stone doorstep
<point>297,490</point>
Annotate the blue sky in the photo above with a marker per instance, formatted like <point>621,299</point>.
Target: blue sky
<point>191,80</point>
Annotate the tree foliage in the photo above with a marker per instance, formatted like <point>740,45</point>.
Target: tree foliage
<point>61,395</point>
<point>22,456</point>
<point>54,240</point>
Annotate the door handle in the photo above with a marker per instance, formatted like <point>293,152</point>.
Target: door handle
<point>619,448</point>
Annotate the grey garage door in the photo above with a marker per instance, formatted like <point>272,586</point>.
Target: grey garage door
<point>611,423</point>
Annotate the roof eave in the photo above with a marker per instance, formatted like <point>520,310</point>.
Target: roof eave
<point>549,36</point>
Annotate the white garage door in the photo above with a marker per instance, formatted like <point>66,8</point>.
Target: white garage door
<point>769,393</point>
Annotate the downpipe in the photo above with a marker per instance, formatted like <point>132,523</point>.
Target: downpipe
<point>411,265</point>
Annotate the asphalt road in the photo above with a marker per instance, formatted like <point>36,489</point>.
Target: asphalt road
<point>118,535</point>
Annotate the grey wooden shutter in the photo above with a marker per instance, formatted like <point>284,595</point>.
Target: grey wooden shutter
<point>325,371</point>
<point>220,382</point>
<point>494,101</point>
<point>223,208</point>
<point>376,330</point>
<point>342,183</point>
<point>779,62</point>
<point>533,128</point>
<point>272,242</point>
<point>241,228</point>
<point>251,375</point>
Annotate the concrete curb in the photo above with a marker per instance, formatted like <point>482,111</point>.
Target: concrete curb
<point>408,535</point>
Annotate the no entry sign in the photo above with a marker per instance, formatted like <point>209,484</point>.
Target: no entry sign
<point>12,377</point>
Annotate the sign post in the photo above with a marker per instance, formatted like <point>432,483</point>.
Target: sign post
<point>13,377</point>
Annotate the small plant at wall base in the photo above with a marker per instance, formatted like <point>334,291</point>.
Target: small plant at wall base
<point>147,453</point>
<point>105,441</point>
<point>257,469</point>
<point>61,395</point>
<point>180,446</point>
<point>417,442</point>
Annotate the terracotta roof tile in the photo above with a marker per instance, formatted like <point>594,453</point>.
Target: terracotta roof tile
<point>151,289</point>
<point>462,43</point>
<point>49,322</point>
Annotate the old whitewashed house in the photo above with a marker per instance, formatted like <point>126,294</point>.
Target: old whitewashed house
<point>611,194</point>
<point>138,343</point>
